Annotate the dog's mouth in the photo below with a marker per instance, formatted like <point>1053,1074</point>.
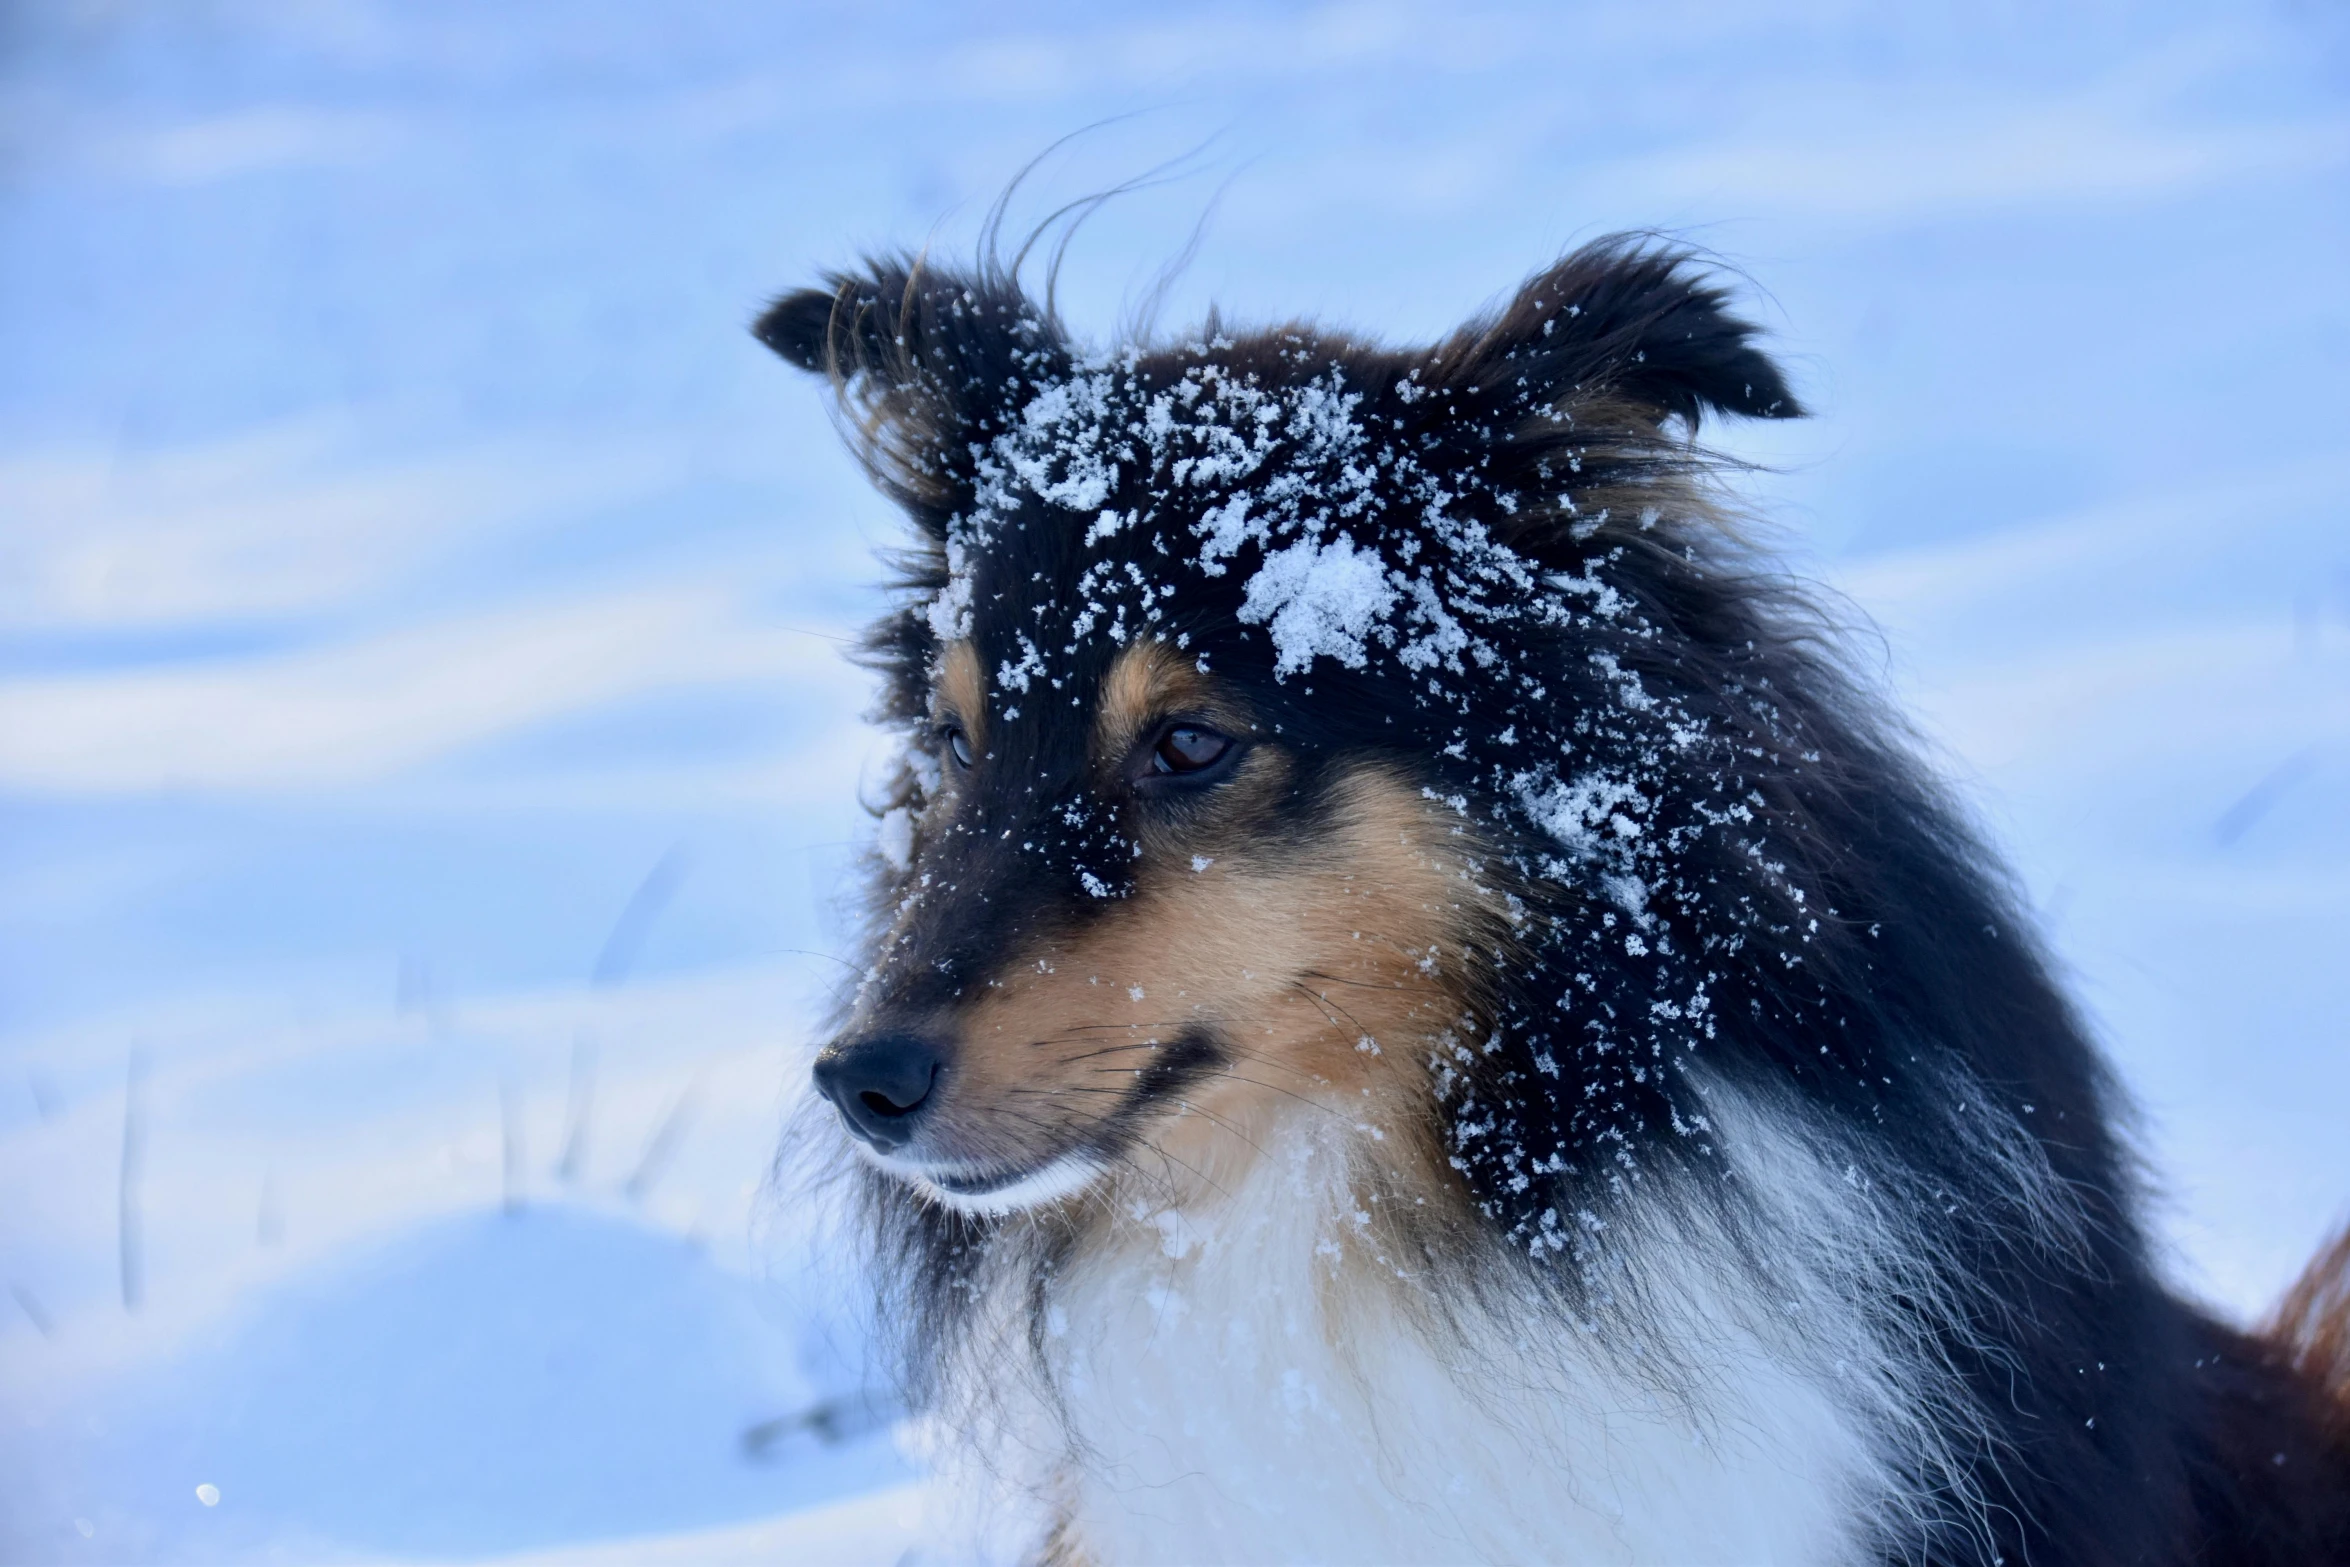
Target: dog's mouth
<point>997,1190</point>
<point>1004,1191</point>
<point>994,1189</point>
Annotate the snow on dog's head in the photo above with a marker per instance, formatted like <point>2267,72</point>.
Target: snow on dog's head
<point>1297,726</point>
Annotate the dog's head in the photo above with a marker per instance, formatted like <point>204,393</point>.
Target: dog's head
<point>1272,703</point>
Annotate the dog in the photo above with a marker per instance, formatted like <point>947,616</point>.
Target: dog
<point>1416,1012</point>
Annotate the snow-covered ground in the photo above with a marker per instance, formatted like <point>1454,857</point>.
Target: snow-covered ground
<point>428,765</point>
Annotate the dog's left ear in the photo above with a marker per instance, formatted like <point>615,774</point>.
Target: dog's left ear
<point>1628,321</point>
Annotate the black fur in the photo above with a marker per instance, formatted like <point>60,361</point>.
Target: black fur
<point>1777,893</point>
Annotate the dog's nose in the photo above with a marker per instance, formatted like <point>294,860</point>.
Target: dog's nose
<point>881,1085</point>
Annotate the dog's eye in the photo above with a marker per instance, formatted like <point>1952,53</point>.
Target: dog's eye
<point>959,744</point>
<point>1187,748</point>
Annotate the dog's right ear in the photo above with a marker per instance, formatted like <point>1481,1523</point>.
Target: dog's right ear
<point>929,365</point>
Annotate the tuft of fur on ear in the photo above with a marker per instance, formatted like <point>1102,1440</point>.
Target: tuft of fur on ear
<point>928,363</point>
<point>1631,320</point>
<point>799,326</point>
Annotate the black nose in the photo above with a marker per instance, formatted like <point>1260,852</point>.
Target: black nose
<point>881,1085</point>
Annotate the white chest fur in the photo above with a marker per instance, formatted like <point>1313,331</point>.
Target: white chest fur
<point>1244,1388</point>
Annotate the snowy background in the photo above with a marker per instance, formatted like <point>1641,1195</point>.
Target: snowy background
<point>428,768</point>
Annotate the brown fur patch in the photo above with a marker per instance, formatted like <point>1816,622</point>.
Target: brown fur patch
<point>2311,1326</point>
<point>960,692</point>
<point>1149,682</point>
<point>1320,968</point>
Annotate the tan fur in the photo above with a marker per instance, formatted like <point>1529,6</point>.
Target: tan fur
<point>2311,1325</point>
<point>1151,682</point>
<point>960,692</point>
<point>1324,968</point>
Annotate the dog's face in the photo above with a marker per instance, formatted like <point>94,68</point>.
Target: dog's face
<point>1159,889</point>
<point>1237,679</point>
<point>1143,924</point>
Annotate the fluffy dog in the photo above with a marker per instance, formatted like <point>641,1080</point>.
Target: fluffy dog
<point>1416,1014</point>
